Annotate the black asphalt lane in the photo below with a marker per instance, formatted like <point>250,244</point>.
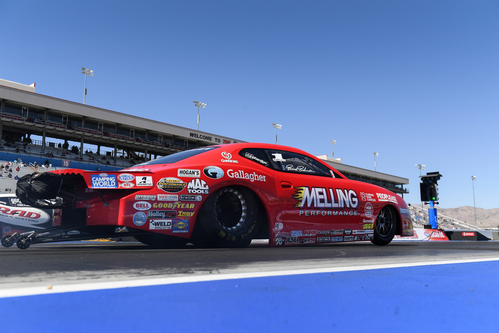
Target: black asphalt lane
<point>87,262</point>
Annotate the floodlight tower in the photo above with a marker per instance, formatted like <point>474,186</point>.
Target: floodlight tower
<point>333,142</point>
<point>87,72</point>
<point>276,127</point>
<point>199,105</point>
<point>473,179</point>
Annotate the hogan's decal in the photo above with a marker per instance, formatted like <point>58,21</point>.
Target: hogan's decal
<point>189,173</point>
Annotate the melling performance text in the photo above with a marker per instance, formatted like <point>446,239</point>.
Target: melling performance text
<point>320,197</point>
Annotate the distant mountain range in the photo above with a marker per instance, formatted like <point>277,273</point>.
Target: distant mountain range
<point>486,218</point>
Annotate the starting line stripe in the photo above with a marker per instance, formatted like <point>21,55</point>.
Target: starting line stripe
<point>56,289</point>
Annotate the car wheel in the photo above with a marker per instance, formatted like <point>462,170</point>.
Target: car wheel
<point>230,217</point>
<point>384,227</point>
<point>160,241</point>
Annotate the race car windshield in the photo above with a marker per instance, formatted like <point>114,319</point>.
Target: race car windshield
<point>173,158</point>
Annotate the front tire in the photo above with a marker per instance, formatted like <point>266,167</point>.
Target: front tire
<point>384,227</point>
<point>230,217</point>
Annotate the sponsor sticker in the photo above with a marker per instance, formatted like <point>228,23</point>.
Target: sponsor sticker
<point>310,233</point>
<point>167,197</point>
<point>279,241</point>
<point>198,186</point>
<point>181,213</point>
<point>174,205</point>
<point>227,158</point>
<point>368,209</point>
<point>180,226</point>
<point>213,172</point>
<point>101,181</point>
<point>171,184</point>
<point>139,219</point>
<point>161,214</point>
<point>367,196</point>
<point>142,205</point>
<point>145,197</point>
<point>189,173</point>
<point>323,239</point>
<point>126,177</point>
<point>241,174</point>
<point>125,185</point>
<point>296,233</point>
<point>29,217</point>
<point>143,180</point>
<point>160,224</point>
<point>185,197</point>
<point>337,239</point>
<point>386,197</point>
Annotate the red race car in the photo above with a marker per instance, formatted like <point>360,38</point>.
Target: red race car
<point>222,196</point>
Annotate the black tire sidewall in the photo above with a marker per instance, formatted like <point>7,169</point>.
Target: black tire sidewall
<point>379,239</point>
<point>221,236</point>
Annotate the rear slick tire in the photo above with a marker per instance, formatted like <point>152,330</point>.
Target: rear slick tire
<point>230,217</point>
<point>384,227</point>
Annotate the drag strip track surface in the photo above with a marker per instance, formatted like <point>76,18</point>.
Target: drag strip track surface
<point>69,263</point>
<point>405,286</point>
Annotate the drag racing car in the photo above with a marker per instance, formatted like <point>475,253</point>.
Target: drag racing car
<point>222,196</point>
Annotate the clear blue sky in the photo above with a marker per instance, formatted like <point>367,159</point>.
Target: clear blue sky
<point>415,81</point>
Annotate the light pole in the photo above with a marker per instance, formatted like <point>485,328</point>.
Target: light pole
<point>421,168</point>
<point>87,72</point>
<point>333,142</point>
<point>375,155</point>
<point>473,179</point>
<point>199,105</point>
<point>276,127</point>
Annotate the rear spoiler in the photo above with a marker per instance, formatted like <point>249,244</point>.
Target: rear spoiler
<point>125,180</point>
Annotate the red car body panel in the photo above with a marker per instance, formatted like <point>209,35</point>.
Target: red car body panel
<point>300,208</point>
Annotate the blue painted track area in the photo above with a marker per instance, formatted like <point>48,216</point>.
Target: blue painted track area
<point>436,298</point>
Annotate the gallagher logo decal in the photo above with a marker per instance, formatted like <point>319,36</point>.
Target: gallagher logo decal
<point>320,197</point>
<point>213,172</point>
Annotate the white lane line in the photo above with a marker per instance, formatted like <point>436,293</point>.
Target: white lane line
<point>55,289</point>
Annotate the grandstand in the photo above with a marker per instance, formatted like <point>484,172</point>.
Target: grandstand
<point>37,128</point>
<point>420,219</point>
